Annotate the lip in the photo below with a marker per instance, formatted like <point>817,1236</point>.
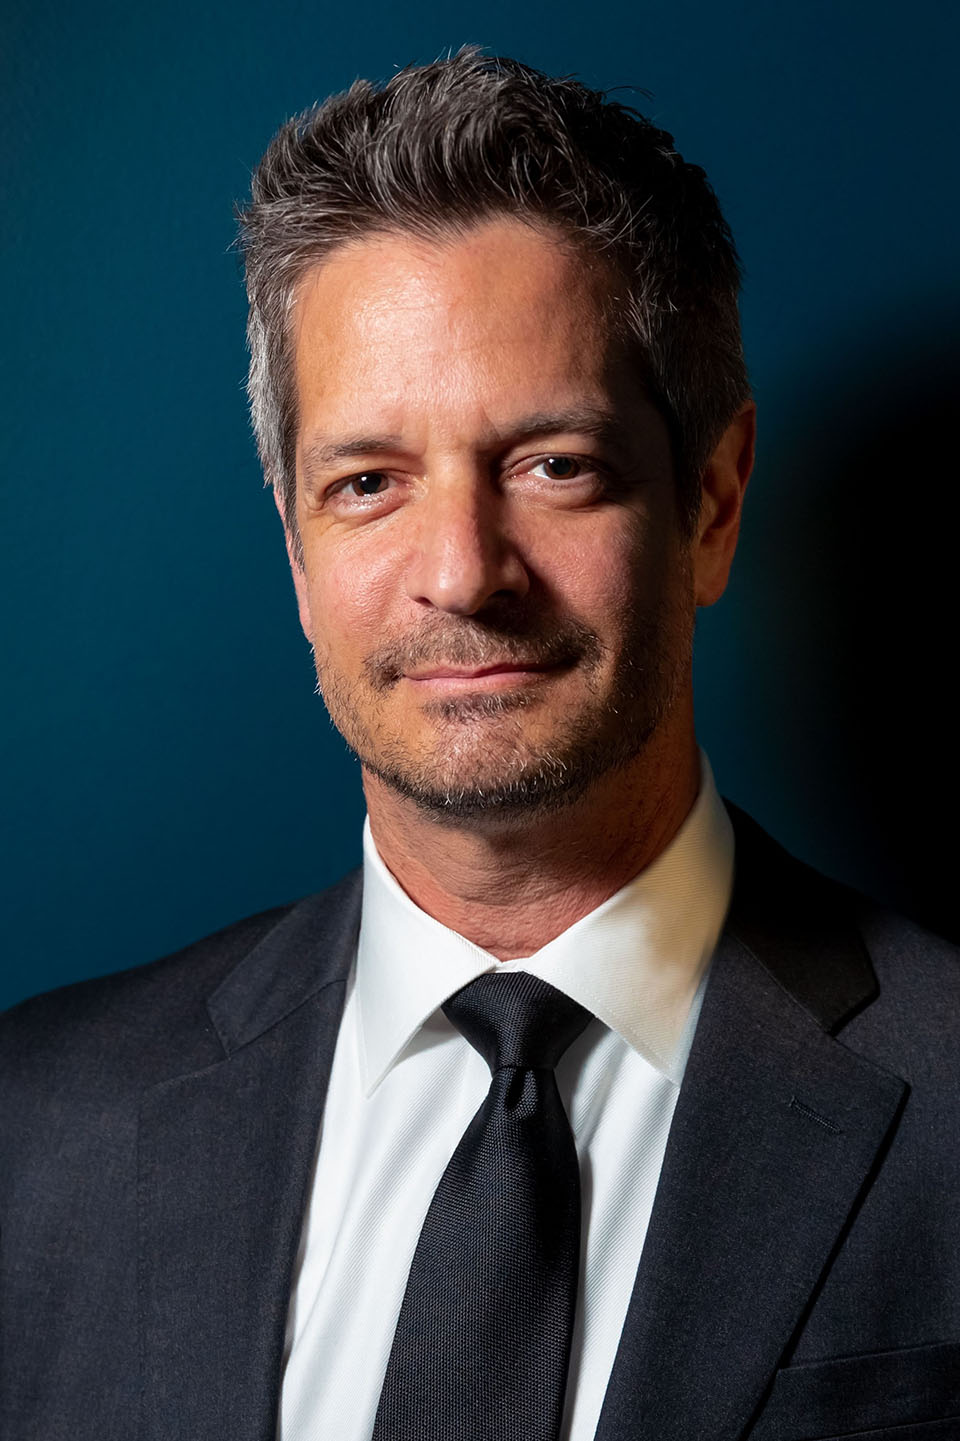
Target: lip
<point>487,677</point>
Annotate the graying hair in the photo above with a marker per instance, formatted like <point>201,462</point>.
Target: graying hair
<point>439,148</point>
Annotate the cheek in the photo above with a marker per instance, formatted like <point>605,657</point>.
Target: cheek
<point>350,601</point>
<point>600,577</point>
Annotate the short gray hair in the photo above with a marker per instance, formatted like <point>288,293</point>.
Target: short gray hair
<point>441,147</point>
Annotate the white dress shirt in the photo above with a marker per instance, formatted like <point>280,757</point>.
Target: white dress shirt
<point>405,1084</point>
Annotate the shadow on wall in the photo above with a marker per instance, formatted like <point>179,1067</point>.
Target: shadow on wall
<point>859,560</point>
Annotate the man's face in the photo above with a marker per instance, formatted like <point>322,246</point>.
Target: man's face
<point>494,584</point>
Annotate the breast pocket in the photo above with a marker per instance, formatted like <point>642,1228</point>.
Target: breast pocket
<point>887,1395</point>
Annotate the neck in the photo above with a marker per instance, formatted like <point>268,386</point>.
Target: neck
<point>511,888</point>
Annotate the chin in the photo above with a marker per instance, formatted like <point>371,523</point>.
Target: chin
<point>482,799</point>
<point>478,778</point>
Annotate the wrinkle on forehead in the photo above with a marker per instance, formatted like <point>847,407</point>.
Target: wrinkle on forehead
<point>503,272</point>
<point>396,319</point>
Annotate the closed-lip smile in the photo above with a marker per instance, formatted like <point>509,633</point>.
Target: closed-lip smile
<point>456,672</point>
<point>487,676</point>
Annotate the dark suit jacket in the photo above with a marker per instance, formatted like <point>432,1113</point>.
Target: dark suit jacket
<point>801,1275</point>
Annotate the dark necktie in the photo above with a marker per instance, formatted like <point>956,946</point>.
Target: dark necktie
<point>482,1344</point>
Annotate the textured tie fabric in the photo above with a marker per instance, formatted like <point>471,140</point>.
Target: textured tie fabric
<point>482,1343</point>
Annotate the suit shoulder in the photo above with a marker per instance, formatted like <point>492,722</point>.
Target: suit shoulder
<point>141,1018</point>
<point>885,977</point>
<point>913,965</point>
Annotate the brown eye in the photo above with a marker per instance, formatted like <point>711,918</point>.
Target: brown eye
<point>561,467</point>
<point>370,483</point>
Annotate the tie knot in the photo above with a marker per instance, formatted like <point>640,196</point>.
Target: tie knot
<point>516,1020</point>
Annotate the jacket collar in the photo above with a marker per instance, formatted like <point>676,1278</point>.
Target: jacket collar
<point>311,947</point>
<point>799,926</point>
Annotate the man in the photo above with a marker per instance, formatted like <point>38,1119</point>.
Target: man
<point>629,1125</point>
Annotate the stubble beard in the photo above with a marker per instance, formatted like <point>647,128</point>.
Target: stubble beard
<point>484,766</point>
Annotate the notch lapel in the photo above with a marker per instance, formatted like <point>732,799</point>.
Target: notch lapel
<point>225,1158</point>
<point>777,1132</point>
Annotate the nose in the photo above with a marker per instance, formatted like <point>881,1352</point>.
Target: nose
<point>464,556</point>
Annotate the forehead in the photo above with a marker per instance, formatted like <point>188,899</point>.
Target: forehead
<point>396,320</point>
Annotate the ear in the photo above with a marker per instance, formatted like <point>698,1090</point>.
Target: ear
<point>296,570</point>
<point>723,484</point>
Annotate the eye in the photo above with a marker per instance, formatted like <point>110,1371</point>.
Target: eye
<point>560,467</point>
<point>369,482</point>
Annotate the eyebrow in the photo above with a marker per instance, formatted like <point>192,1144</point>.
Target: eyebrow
<point>322,452</point>
<point>589,420</point>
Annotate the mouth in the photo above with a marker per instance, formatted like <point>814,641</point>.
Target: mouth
<point>498,676</point>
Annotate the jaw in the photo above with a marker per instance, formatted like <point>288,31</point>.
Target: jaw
<point>498,764</point>
<point>611,810</point>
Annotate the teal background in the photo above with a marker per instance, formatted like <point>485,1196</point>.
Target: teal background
<point>166,765</point>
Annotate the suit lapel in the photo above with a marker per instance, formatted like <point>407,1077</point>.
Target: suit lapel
<point>777,1132</point>
<point>225,1158</point>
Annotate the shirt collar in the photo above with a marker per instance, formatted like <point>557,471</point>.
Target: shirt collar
<point>635,961</point>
